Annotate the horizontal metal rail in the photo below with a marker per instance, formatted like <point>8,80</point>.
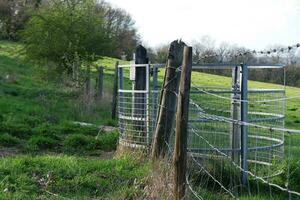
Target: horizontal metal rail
<point>230,66</point>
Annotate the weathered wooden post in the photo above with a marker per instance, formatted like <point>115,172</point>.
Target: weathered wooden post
<point>99,92</point>
<point>115,93</point>
<point>155,95</point>
<point>236,115</point>
<point>88,85</point>
<point>140,107</point>
<point>182,118</point>
<point>167,102</point>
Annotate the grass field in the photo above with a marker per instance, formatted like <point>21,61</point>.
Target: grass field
<point>46,155</point>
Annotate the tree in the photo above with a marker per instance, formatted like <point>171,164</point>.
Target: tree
<point>121,26</point>
<point>13,16</point>
<point>161,53</point>
<point>204,47</point>
<point>67,33</point>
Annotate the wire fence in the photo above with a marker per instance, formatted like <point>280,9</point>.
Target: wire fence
<point>214,167</point>
<point>214,143</point>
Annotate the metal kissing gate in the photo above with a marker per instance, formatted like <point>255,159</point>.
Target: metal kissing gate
<point>227,119</point>
<point>220,114</point>
<point>137,108</point>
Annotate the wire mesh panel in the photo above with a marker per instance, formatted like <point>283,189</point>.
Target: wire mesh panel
<point>137,109</point>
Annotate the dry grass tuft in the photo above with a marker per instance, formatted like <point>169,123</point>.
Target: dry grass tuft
<point>160,181</point>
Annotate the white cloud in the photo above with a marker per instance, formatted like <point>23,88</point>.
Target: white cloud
<point>251,23</point>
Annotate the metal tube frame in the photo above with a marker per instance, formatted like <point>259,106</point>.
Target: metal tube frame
<point>244,128</point>
<point>120,93</point>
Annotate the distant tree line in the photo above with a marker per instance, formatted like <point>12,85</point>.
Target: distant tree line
<point>225,53</point>
<point>117,26</point>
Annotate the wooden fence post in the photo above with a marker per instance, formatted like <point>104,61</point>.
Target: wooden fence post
<point>99,93</point>
<point>115,92</point>
<point>139,107</point>
<point>235,136</point>
<point>180,149</point>
<point>88,84</point>
<point>167,102</point>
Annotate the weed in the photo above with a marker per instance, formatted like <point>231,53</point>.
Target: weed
<point>7,140</point>
<point>37,143</point>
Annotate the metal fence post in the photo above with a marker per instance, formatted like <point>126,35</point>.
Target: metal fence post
<point>147,105</point>
<point>155,96</point>
<point>244,128</point>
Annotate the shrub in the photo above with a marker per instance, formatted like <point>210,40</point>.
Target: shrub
<point>32,121</point>
<point>36,143</point>
<point>78,142</point>
<point>107,142</point>
<point>111,122</point>
<point>71,128</point>
<point>74,30</point>
<point>47,130</point>
<point>7,140</point>
<point>16,129</point>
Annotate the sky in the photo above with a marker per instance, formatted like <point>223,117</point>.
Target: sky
<point>254,24</point>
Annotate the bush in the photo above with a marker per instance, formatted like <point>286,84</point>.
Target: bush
<point>16,129</point>
<point>75,31</point>
<point>78,142</point>
<point>71,128</point>
<point>111,122</point>
<point>36,143</point>
<point>7,140</point>
<point>107,142</point>
<point>47,130</point>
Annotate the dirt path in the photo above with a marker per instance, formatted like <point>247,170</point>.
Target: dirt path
<point>8,152</point>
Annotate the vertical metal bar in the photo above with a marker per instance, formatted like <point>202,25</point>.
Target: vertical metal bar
<point>121,100</point>
<point>147,104</point>
<point>244,128</point>
<point>155,96</point>
<point>283,107</point>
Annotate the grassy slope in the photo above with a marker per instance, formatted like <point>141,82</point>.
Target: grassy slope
<point>40,113</point>
<point>43,105</point>
<point>60,177</point>
<point>36,117</point>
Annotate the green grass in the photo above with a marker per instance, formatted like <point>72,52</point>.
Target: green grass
<point>40,112</point>
<point>55,157</point>
<point>36,118</point>
<point>59,177</point>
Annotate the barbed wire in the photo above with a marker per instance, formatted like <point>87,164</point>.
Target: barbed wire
<point>192,190</point>
<point>255,52</point>
<point>249,101</point>
<point>246,171</point>
<point>207,172</point>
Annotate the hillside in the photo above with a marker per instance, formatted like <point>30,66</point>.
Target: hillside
<point>47,155</point>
